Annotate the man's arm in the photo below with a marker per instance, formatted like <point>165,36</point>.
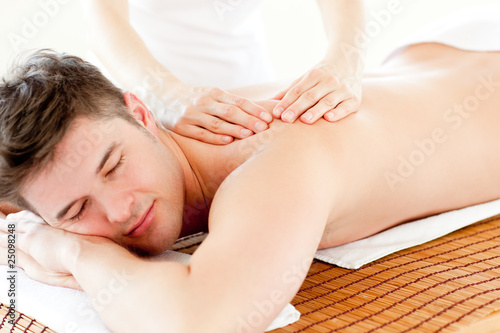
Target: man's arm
<point>204,113</point>
<point>332,88</point>
<point>265,225</point>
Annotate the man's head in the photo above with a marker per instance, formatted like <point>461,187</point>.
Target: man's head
<point>38,102</point>
<point>84,156</point>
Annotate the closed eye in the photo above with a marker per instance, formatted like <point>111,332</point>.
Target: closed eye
<point>116,167</point>
<point>79,215</point>
<point>111,172</point>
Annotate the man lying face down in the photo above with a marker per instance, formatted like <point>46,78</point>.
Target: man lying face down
<point>92,162</point>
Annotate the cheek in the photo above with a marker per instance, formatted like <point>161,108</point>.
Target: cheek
<point>91,225</point>
<point>148,170</point>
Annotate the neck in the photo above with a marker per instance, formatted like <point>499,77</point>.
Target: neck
<point>204,167</point>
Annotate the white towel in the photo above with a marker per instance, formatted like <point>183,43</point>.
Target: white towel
<point>70,311</point>
<point>472,29</point>
<point>358,253</point>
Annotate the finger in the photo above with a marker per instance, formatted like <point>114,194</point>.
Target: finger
<point>307,100</point>
<point>204,135</point>
<point>283,92</point>
<point>37,272</point>
<point>231,128</point>
<point>245,105</point>
<point>7,256</point>
<point>235,116</point>
<point>7,226</point>
<point>219,126</point>
<point>16,226</point>
<point>293,94</point>
<point>216,125</point>
<point>3,226</point>
<point>342,110</point>
<point>12,255</point>
<point>325,105</point>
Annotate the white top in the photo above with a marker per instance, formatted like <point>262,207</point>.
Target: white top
<point>205,42</point>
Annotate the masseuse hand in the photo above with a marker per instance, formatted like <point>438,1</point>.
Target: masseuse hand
<point>328,90</point>
<point>212,115</point>
<point>40,249</point>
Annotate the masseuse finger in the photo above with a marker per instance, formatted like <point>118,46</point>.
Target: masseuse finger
<point>251,110</point>
<point>223,130</point>
<point>235,115</point>
<point>326,105</point>
<point>204,135</point>
<point>343,109</point>
<point>217,125</point>
<point>293,94</point>
<point>307,100</point>
<point>235,122</point>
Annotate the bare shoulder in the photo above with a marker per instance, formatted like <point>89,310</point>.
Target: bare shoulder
<point>266,222</point>
<point>277,175</point>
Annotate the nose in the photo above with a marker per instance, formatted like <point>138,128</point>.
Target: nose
<point>119,207</point>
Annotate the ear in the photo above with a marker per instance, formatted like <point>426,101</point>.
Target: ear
<point>140,112</point>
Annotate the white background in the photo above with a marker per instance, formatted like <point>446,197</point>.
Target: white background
<point>294,28</point>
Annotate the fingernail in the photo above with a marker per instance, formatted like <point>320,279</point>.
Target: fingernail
<point>260,126</point>
<point>288,116</point>
<point>307,116</point>
<point>266,116</point>
<point>329,115</point>
<point>277,112</point>
<point>246,132</point>
<point>227,139</point>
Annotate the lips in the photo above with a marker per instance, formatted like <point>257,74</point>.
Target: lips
<point>143,224</point>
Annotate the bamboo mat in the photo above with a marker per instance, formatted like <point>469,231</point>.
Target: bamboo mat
<point>451,284</point>
<point>22,324</point>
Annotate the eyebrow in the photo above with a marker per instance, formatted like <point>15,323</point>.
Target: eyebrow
<point>104,159</point>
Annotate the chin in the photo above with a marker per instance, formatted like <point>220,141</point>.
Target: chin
<point>151,246</point>
<point>148,250</point>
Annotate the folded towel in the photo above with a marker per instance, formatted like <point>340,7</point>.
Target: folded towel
<point>358,253</point>
<point>70,311</point>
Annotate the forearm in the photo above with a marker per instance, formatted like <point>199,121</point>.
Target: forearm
<point>128,291</point>
<point>122,51</point>
<point>343,20</point>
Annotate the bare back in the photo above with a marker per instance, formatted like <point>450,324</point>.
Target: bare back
<point>411,150</point>
<point>423,142</point>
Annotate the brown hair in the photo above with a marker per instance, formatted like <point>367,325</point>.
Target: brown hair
<point>38,102</point>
